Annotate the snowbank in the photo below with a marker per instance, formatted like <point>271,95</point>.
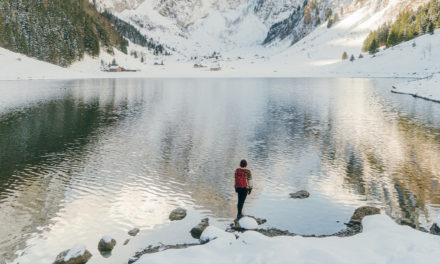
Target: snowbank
<point>382,241</point>
<point>212,232</point>
<point>16,66</point>
<point>427,88</point>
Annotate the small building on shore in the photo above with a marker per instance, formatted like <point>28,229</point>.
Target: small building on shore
<point>115,68</point>
<point>217,68</point>
<point>199,65</point>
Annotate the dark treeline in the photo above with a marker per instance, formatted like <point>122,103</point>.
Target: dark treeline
<point>131,33</point>
<point>408,25</point>
<point>56,31</point>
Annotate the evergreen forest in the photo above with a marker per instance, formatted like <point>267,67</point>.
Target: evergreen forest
<point>408,25</point>
<point>56,31</point>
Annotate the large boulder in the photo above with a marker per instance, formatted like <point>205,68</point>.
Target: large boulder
<point>197,231</point>
<point>177,214</point>
<point>300,194</point>
<point>361,212</point>
<point>134,231</point>
<point>78,254</point>
<point>106,244</point>
<point>435,229</point>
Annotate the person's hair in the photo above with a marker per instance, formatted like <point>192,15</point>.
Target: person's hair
<point>243,163</point>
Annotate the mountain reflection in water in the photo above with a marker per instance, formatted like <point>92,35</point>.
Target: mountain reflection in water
<point>79,159</point>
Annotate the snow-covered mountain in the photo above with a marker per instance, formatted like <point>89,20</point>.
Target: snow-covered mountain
<point>199,27</point>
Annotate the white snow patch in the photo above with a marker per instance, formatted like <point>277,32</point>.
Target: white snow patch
<point>106,239</point>
<point>76,251</point>
<point>20,67</point>
<point>248,223</point>
<point>382,241</point>
<point>212,232</point>
<point>427,87</point>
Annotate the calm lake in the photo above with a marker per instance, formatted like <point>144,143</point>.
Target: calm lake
<point>85,158</point>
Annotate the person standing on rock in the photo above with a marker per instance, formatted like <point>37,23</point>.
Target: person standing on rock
<point>243,185</point>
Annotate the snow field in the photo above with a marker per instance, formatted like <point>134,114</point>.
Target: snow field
<point>382,241</point>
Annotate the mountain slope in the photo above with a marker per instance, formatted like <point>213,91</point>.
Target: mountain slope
<point>200,27</point>
<point>56,31</point>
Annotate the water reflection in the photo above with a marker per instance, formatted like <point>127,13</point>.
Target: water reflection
<point>85,158</point>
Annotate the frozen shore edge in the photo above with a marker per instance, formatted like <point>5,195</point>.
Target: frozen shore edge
<point>381,241</point>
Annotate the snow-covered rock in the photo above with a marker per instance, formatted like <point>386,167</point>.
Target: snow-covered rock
<point>248,223</point>
<point>212,232</point>
<point>106,244</point>
<point>78,254</point>
<point>197,231</point>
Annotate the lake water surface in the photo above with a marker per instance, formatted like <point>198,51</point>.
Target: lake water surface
<point>86,158</point>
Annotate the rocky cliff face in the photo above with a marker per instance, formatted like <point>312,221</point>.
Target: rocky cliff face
<point>116,5</point>
<point>312,13</point>
<point>231,20</point>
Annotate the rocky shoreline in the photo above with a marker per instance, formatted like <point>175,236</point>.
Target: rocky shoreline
<point>80,255</point>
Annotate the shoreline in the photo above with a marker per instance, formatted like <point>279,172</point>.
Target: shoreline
<point>251,245</point>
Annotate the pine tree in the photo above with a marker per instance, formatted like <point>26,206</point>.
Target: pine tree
<point>373,47</point>
<point>328,13</point>
<point>392,38</point>
<point>330,23</point>
<point>318,21</point>
<point>344,56</point>
<point>408,25</point>
<point>360,56</point>
<point>430,28</point>
<point>352,57</point>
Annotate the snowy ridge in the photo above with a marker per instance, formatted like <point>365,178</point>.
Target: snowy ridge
<point>200,27</point>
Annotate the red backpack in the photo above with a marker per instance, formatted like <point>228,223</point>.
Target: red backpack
<point>240,178</point>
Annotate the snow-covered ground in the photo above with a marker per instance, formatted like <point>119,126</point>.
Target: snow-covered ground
<point>15,66</point>
<point>428,88</point>
<point>382,241</point>
<point>317,55</point>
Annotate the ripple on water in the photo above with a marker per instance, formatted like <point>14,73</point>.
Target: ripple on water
<point>102,157</point>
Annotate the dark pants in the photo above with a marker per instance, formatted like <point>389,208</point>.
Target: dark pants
<point>242,193</point>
